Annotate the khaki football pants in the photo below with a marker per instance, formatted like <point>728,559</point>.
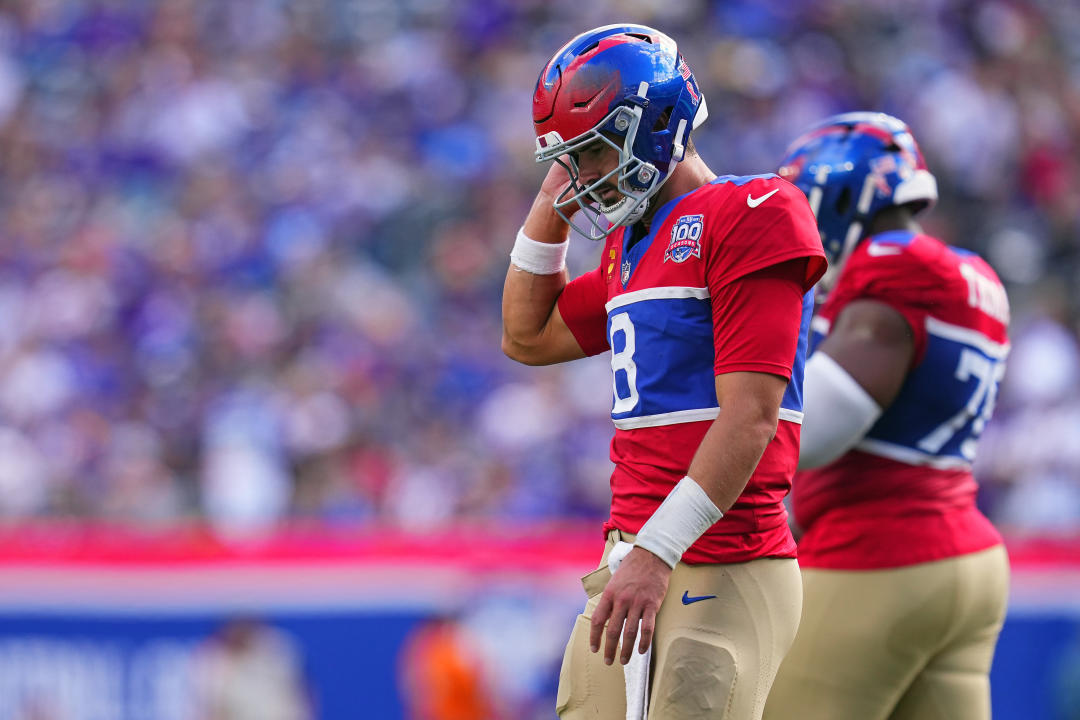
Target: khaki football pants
<point>713,658</point>
<point>910,643</point>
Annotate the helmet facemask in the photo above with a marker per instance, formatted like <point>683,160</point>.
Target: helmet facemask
<point>635,179</point>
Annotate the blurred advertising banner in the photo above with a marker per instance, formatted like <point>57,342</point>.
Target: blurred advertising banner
<point>99,623</point>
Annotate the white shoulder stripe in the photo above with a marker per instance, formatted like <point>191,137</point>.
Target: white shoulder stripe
<point>967,336</point>
<point>657,293</point>
<point>910,456</point>
<point>685,416</point>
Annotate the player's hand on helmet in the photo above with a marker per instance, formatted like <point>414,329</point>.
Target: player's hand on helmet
<point>634,593</point>
<point>543,223</point>
<point>555,183</point>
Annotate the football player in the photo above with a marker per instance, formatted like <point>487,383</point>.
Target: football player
<point>905,581</point>
<point>702,298</point>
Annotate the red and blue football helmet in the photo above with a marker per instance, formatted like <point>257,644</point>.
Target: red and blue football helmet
<point>852,165</point>
<point>626,86</point>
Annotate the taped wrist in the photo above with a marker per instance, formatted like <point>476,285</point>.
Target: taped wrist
<point>681,519</point>
<point>537,257</point>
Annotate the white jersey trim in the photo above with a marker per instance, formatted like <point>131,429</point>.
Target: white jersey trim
<point>794,416</point>
<point>967,336</point>
<point>685,416</point>
<point>657,293</point>
<point>670,418</point>
<point>910,456</point>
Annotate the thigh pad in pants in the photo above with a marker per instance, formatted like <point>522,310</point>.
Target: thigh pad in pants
<point>696,680</point>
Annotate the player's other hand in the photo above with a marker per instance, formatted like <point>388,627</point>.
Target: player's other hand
<point>634,593</point>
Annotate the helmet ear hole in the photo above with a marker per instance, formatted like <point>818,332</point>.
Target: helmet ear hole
<point>662,121</point>
<point>843,203</point>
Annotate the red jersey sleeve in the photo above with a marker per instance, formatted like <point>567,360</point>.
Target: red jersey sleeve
<point>756,320</point>
<point>770,223</point>
<point>581,305</point>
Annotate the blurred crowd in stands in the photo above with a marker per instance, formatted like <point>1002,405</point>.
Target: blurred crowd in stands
<point>251,251</point>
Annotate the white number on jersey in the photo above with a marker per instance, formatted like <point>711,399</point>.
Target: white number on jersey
<point>623,360</point>
<point>980,404</point>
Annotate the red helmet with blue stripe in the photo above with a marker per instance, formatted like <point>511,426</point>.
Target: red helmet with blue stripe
<point>853,165</point>
<point>627,86</point>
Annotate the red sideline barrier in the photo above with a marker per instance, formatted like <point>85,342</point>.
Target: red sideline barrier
<point>482,546</point>
<point>1044,552</point>
<point>470,546</point>
<point>71,565</point>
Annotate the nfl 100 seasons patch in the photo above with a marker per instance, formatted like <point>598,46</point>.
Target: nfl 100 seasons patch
<point>685,238</point>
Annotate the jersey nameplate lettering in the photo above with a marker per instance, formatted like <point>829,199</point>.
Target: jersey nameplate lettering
<point>986,295</point>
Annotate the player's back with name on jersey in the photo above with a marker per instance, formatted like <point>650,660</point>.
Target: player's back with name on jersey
<point>958,313</point>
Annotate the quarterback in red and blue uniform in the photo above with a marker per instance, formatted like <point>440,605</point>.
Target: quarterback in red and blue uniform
<point>905,579</point>
<point>702,299</point>
<point>674,311</point>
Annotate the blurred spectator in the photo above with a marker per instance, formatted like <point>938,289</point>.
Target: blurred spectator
<point>250,671</point>
<point>252,250</point>
<point>440,675</point>
<point>1066,684</point>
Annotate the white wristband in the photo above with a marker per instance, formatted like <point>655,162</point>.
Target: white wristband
<point>685,514</point>
<point>537,257</point>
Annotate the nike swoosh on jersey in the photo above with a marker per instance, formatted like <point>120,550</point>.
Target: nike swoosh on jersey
<point>754,202</point>
<point>875,250</point>
<point>686,599</point>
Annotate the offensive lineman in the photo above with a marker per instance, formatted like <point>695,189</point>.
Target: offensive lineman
<point>703,298</point>
<point>905,580</point>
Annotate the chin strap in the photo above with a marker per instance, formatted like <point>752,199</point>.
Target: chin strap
<point>616,216</point>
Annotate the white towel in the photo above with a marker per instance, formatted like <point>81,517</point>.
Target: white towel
<point>635,672</point>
